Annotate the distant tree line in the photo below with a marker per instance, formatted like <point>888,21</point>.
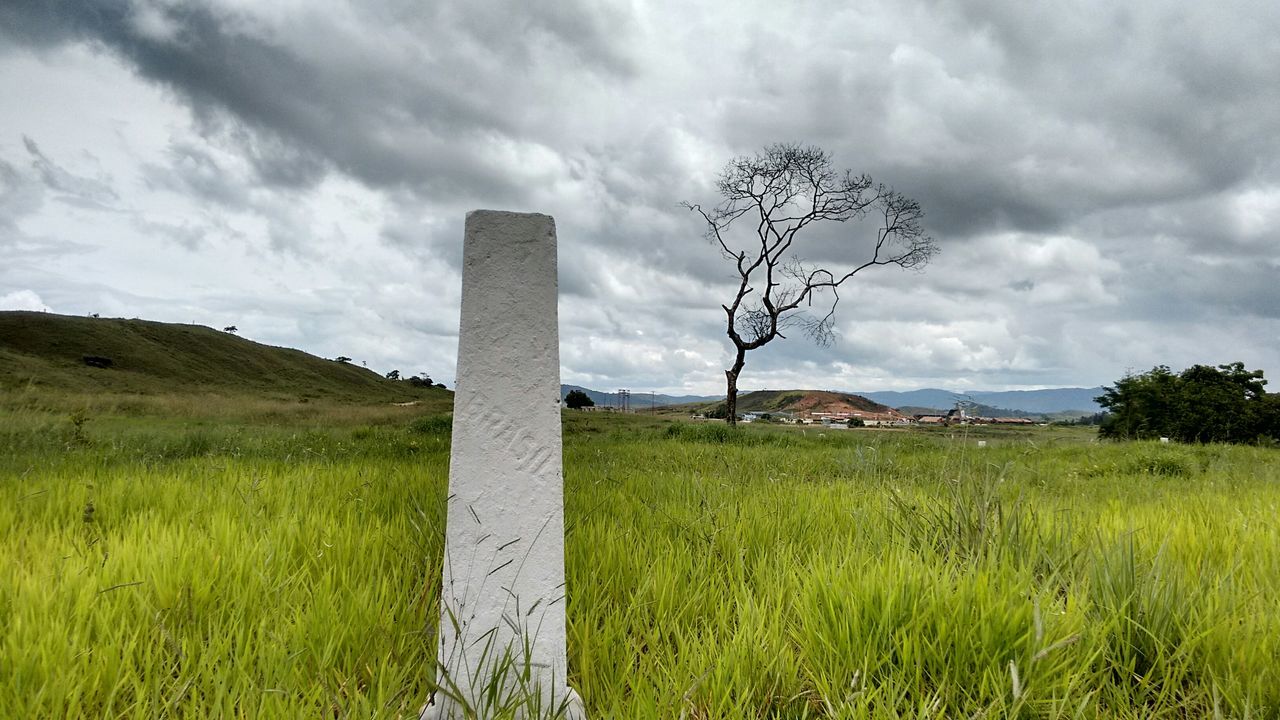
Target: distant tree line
<point>421,381</point>
<point>1097,418</point>
<point>1200,404</point>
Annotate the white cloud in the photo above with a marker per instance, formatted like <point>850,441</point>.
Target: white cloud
<point>22,300</point>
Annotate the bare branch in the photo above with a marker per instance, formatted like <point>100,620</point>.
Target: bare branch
<point>786,188</point>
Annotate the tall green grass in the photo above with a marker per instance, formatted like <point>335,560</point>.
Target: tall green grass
<point>181,565</point>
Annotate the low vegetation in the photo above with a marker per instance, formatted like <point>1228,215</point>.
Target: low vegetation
<point>179,558</point>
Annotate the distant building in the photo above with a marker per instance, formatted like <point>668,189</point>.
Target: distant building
<point>844,416</point>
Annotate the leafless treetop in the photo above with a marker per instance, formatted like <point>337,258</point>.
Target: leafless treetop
<point>781,191</point>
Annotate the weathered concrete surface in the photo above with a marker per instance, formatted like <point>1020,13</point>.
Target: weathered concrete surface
<point>503,592</point>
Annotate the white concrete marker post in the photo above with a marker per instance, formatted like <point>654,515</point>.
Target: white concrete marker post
<point>502,626</point>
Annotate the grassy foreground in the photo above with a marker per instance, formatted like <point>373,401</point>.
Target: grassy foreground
<point>225,559</point>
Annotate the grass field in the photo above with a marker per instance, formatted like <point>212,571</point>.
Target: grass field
<point>227,558</point>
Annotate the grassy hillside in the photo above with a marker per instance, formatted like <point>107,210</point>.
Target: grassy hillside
<point>46,351</point>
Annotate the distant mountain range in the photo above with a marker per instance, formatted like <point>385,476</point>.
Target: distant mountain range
<point>1040,402</point>
<point>639,400</point>
<point>1008,402</point>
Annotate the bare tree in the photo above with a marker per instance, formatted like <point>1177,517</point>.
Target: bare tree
<point>767,200</point>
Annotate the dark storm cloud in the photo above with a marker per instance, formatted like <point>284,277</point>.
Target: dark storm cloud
<point>1184,289</point>
<point>1030,116</point>
<point>1153,104</point>
<point>413,118</point>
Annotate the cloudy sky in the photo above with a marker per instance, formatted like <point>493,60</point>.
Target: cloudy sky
<point>1103,179</point>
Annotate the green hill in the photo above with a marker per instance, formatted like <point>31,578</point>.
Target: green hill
<point>763,401</point>
<point>51,351</point>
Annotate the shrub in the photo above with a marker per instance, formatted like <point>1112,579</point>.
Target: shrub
<point>576,400</point>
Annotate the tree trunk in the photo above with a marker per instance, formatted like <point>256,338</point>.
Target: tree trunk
<point>731,393</point>
<point>731,399</point>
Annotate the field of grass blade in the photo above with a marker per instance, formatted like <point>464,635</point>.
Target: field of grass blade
<point>270,564</point>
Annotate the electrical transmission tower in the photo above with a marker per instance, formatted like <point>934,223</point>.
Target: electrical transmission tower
<point>624,400</point>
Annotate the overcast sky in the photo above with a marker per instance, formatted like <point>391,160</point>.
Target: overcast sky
<point>1102,179</point>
